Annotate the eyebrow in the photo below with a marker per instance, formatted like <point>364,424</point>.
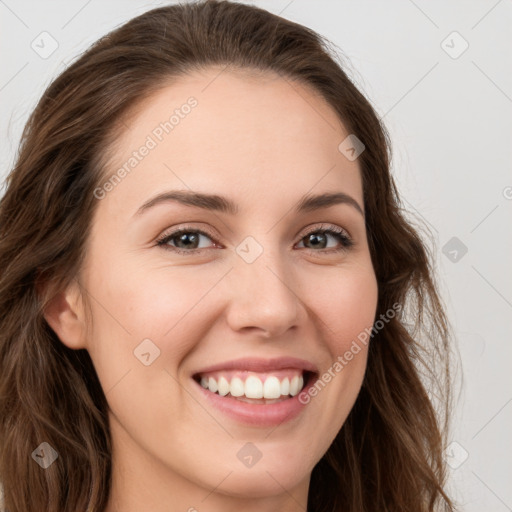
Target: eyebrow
<point>218,203</point>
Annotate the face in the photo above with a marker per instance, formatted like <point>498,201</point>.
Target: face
<point>243,298</point>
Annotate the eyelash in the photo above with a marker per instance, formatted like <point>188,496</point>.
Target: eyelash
<point>341,234</point>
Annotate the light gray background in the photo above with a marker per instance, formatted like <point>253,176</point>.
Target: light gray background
<point>450,118</point>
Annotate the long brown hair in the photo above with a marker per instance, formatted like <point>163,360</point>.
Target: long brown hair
<point>388,456</point>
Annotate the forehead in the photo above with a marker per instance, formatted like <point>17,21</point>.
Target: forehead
<point>232,130</point>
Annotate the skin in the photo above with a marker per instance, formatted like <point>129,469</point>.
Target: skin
<point>263,142</point>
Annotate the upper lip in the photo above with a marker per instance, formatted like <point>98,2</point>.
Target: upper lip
<point>255,364</point>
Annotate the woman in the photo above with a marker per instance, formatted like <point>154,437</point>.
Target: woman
<point>210,298</point>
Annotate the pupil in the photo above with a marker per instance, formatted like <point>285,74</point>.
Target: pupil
<point>315,238</point>
<point>183,237</point>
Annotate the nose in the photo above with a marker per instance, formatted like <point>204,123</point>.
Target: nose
<point>262,297</point>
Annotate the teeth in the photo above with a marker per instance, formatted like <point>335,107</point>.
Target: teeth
<point>253,387</point>
<point>294,386</point>
<point>212,385</point>
<point>223,386</point>
<point>272,388</point>
<point>237,387</point>
<point>285,386</point>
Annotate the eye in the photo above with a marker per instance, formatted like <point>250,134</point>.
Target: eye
<point>318,238</point>
<point>188,240</point>
<point>183,241</point>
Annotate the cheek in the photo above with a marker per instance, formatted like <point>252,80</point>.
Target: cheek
<point>347,307</point>
<point>176,307</point>
<point>137,302</point>
<point>142,302</point>
<point>347,313</point>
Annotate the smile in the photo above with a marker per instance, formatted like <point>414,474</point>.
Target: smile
<point>253,386</point>
<point>257,392</point>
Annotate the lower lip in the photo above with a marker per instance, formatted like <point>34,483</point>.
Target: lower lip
<point>262,415</point>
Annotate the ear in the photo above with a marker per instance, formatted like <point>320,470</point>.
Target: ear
<point>65,315</point>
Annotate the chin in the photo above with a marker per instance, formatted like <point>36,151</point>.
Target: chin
<point>260,484</point>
